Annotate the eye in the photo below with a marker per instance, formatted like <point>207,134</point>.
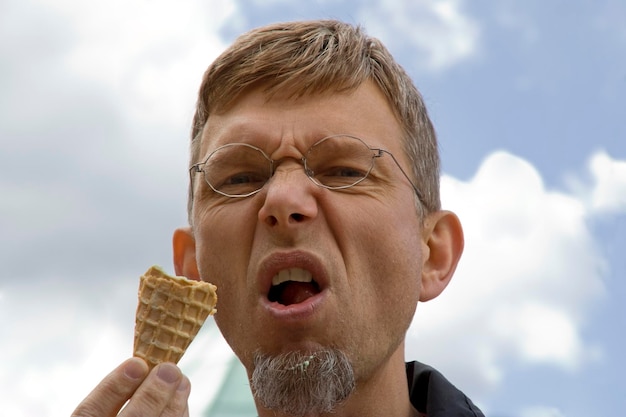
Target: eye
<point>242,182</point>
<point>243,178</point>
<point>343,172</point>
<point>339,161</point>
<point>339,176</point>
<point>237,169</point>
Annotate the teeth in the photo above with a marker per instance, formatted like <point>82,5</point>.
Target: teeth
<point>292,274</point>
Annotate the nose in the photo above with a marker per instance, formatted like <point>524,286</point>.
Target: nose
<point>290,198</point>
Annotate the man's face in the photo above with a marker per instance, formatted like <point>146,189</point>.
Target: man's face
<point>362,247</point>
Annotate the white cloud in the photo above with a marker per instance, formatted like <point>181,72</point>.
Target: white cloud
<point>112,85</point>
<point>151,53</point>
<point>603,190</point>
<point>95,122</point>
<point>529,276</point>
<point>544,334</point>
<point>440,30</point>
<point>27,200</point>
<point>59,344</point>
<point>609,189</point>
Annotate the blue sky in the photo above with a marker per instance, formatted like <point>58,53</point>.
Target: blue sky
<point>528,99</point>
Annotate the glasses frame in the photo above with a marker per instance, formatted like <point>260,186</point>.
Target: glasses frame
<point>378,153</point>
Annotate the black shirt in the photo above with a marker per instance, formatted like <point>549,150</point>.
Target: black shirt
<point>432,394</point>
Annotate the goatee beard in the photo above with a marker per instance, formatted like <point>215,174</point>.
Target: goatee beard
<point>299,383</point>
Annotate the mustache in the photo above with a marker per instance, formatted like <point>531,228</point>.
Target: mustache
<point>297,383</point>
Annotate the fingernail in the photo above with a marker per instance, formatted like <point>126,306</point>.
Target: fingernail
<point>184,384</point>
<point>169,373</point>
<point>135,369</point>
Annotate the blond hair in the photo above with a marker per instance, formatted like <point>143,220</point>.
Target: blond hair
<point>312,57</point>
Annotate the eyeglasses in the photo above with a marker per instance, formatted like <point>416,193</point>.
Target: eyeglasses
<point>335,162</point>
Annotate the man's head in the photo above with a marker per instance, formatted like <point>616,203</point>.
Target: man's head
<point>323,275</point>
<point>315,57</point>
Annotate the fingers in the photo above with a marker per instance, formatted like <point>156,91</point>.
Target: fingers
<point>162,392</point>
<point>114,390</point>
<point>177,407</point>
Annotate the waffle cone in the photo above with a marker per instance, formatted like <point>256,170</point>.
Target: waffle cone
<point>170,312</point>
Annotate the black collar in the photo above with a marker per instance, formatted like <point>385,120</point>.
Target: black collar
<point>432,394</point>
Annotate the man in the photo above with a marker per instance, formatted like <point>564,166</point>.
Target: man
<point>314,207</point>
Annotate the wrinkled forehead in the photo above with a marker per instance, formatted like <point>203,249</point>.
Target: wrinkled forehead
<point>259,117</point>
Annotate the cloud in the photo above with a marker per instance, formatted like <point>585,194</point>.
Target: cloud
<point>152,54</point>
<point>61,340</point>
<point>437,35</point>
<point>95,116</point>
<point>95,112</point>
<point>530,275</point>
<point>441,33</point>
<point>609,190</point>
<point>148,56</point>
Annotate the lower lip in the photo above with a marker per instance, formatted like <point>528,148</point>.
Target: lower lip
<point>296,312</point>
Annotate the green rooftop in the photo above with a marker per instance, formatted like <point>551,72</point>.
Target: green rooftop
<point>234,398</point>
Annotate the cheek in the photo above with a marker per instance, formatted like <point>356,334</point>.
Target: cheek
<point>223,246</point>
<point>224,238</point>
<point>216,269</point>
<point>386,251</point>
<point>219,266</point>
<point>396,278</point>
<point>384,274</point>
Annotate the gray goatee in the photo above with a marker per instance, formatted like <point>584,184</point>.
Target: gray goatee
<point>298,383</point>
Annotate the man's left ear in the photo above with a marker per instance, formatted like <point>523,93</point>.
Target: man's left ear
<point>443,242</point>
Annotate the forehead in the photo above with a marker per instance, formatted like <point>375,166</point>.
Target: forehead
<point>298,122</point>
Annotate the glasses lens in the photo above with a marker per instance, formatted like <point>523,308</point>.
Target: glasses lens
<point>237,169</point>
<point>339,162</point>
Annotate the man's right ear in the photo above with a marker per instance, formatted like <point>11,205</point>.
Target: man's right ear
<point>184,246</point>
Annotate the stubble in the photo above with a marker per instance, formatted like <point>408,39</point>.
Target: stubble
<point>300,383</point>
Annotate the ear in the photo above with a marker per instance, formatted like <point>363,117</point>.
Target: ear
<point>443,239</point>
<point>184,246</point>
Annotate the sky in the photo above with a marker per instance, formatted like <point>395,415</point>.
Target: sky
<point>529,102</point>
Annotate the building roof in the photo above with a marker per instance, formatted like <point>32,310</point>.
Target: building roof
<point>233,398</point>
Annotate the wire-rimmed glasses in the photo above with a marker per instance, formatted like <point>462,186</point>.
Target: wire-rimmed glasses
<point>334,162</point>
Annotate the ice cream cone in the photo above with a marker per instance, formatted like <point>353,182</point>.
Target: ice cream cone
<point>170,312</point>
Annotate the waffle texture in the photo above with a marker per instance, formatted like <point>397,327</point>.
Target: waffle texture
<point>170,312</point>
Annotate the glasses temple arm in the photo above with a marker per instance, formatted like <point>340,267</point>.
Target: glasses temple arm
<point>417,190</point>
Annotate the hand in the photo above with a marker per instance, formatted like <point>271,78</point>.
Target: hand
<point>161,393</point>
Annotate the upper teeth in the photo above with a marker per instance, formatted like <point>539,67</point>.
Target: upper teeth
<point>292,274</point>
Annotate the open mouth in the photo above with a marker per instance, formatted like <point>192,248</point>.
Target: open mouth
<point>292,286</point>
